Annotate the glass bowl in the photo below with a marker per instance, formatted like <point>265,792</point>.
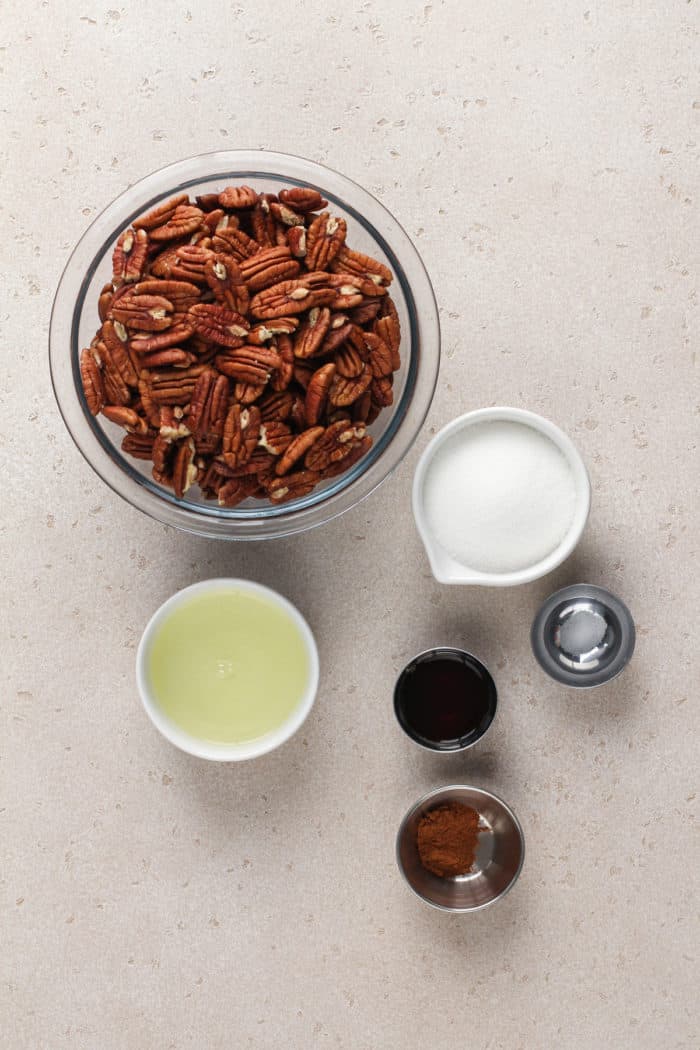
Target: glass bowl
<point>371,229</point>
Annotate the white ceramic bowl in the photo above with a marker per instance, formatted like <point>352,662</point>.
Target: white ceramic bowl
<point>206,748</point>
<point>447,569</point>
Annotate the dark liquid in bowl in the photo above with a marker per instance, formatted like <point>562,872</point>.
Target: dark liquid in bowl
<point>445,699</point>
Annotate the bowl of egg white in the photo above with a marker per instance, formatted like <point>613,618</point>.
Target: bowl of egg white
<point>500,497</point>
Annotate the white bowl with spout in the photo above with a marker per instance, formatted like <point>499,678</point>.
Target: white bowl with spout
<point>445,567</point>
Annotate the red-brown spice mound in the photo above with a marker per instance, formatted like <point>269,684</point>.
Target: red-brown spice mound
<point>447,839</point>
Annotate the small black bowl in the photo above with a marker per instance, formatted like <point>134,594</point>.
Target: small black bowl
<point>445,699</point>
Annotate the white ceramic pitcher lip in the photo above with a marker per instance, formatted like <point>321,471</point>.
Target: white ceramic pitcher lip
<point>446,569</point>
<point>205,748</point>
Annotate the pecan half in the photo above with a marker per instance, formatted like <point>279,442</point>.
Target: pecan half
<point>388,328</point>
<point>146,344</point>
<point>144,313</point>
<point>105,301</point>
<point>296,239</point>
<point>129,257</point>
<point>266,330</point>
<point>248,393</point>
<point>286,215</point>
<point>91,377</point>
<point>380,358</point>
<point>238,197</point>
<point>303,199</point>
<point>116,389</point>
<point>160,214</point>
<point>185,262</point>
<point>170,357</point>
<point>125,417</point>
<point>290,297</point>
<point>346,390</point>
<point>223,275</point>
<point>324,239</point>
<point>235,242</point>
<point>337,442</point>
<point>349,261</point>
<point>184,468</point>
<point>249,364</point>
<point>274,438</point>
<point>317,393</point>
<point>234,490</point>
<point>284,373</point>
<point>263,221</point>
<point>140,446</point>
<point>356,453</point>
<point>276,407</point>
<point>268,267</point>
<point>181,294</point>
<point>208,405</point>
<point>298,448</point>
<point>218,324</point>
<point>185,220</point>
<point>291,486</point>
<point>366,312</point>
<point>241,433</point>
<point>382,392</point>
<point>312,332</point>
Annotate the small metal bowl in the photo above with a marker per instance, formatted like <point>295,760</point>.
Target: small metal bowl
<point>499,856</point>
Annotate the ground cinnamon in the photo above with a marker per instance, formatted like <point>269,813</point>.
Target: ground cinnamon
<point>447,839</point>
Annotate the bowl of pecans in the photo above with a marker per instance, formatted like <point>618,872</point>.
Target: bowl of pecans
<point>244,344</point>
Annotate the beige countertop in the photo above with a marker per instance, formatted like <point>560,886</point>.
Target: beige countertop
<point>544,158</point>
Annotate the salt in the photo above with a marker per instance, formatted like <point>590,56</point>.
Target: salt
<point>499,496</point>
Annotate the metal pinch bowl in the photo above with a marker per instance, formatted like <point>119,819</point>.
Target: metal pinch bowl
<point>499,856</point>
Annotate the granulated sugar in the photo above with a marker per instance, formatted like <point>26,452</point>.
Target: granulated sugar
<point>499,496</point>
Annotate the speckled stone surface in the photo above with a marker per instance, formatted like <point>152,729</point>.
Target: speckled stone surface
<point>545,160</point>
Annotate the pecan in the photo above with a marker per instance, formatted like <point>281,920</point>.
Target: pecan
<point>235,242</point>
<point>185,262</point>
<point>298,448</point>
<point>292,486</point>
<point>317,393</point>
<point>358,450</point>
<point>276,407</point>
<point>303,199</point>
<point>105,301</point>
<point>211,220</point>
<point>140,446</point>
<point>173,386</point>
<point>208,406</point>
<point>91,376</point>
<point>345,390</point>
<point>170,357</point>
<point>208,202</point>
<point>290,297</point>
<point>337,442</point>
<point>172,425</point>
<point>234,490</point>
<point>238,197</point>
<point>380,359</point>
<point>336,337</point>
<point>349,362</point>
<point>161,214</point>
<point>249,364</point>
<point>185,220</point>
<point>296,239</point>
<point>129,256</point>
<point>324,239</point>
<point>241,433</point>
<point>145,313</point>
<point>366,312</point>
<point>312,332</point>
<point>146,344</point>
<point>348,261</point>
<point>264,331</point>
<point>269,267</point>
<point>248,393</point>
<point>125,417</point>
<point>218,324</point>
<point>116,389</point>
<point>286,215</point>
<point>361,407</point>
<point>263,221</point>
<point>382,393</point>
<point>184,469</point>
<point>388,328</point>
<point>223,275</point>
<point>274,438</point>
<point>181,294</point>
<point>150,407</point>
<point>260,463</point>
<point>352,291</point>
<point>284,373</point>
